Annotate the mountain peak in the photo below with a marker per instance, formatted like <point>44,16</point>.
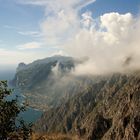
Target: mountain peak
<point>21,66</point>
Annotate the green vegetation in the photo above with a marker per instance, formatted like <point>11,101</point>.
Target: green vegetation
<point>9,110</point>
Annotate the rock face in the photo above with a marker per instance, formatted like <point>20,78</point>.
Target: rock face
<point>48,82</point>
<point>31,75</point>
<point>21,66</point>
<point>106,110</point>
<point>39,80</point>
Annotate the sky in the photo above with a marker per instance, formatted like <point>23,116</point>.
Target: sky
<point>35,29</point>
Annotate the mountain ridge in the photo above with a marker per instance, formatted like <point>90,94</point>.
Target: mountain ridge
<point>107,110</point>
<point>48,82</point>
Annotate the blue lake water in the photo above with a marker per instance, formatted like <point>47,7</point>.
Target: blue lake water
<point>31,114</point>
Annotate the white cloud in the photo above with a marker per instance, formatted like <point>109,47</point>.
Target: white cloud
<point>61,19</point>
<point>30,45</point>
<point>59,28</point>
<point>87,20</point>
<point>30,33</point>
<point>116,24</point>
<point>109,46</point>
<point>59,52</point>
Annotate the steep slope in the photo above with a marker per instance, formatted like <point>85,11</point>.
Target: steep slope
<point>107,110</point>
<point>38,80</point>
<point>29,76</point>
<point>48,82</point>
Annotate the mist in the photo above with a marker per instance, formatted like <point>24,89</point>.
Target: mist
<point>111,44</point>
<point>107,41</point>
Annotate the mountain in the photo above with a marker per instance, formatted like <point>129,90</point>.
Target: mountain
<point>48,82</point>
<point>109,109</point>
<point>28,76</point>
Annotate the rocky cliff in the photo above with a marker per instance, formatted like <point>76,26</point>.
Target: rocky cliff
<point>48,82</point>
<point>106,110</point>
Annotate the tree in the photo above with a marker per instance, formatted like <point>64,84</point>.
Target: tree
<point>9,110</point>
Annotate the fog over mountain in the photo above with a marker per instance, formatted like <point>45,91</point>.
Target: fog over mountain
<point>108,43</point>
<point>48,82</point>
<point>107,40</point>
<point>77,62</point>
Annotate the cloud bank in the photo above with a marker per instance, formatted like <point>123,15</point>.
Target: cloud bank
<point>111,41</point>
<point>108,44</point>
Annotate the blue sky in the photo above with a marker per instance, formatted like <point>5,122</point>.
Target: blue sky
<point>104,6</point>
<point>22,25</point>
